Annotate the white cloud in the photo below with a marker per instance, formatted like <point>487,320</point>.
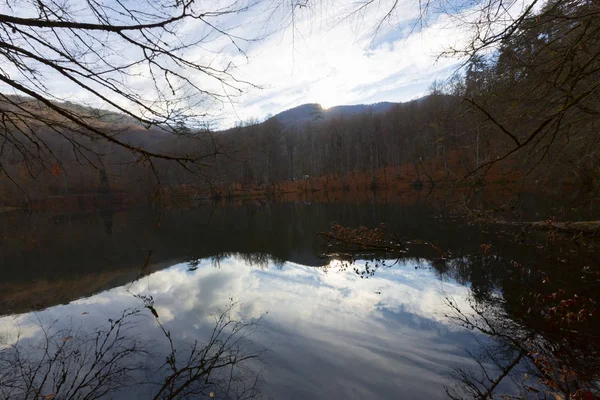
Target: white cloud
<point>327,55</point>
<point>343,65</point>
<point>321,58</point>
<point>13,329</point>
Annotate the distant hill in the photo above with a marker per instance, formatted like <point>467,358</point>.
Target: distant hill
<point>314,112</point>
<point>297,116</point>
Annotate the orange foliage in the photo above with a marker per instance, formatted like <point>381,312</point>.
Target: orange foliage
<point>55,169</point>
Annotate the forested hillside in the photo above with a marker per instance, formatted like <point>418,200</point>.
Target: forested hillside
<point>532,107</point>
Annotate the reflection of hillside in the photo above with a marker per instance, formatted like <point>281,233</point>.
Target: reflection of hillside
<point>38,294</point>
<point>77,255</point>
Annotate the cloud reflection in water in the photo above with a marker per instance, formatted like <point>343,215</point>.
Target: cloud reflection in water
<point>331,333</point>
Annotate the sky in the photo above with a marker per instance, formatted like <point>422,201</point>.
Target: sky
<point>326,54</point>
<point>333,61</point>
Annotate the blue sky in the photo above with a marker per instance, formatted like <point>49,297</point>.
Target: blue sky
<point>329,55</point>
<point>334,63</point>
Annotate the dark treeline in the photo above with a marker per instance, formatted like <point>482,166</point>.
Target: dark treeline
<point>531,108</point>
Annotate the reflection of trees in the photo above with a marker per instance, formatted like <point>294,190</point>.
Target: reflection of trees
<point>494,360</point>
<point>260,260</point>
<point>81,251</point>
<point>536,325</point>
<point>481,271</point>
<point>541,315</point>
<point>540,360</point>
<point>348,245</point>
<point>74,363</point>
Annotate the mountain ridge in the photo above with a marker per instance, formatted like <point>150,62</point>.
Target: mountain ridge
<point>314,112</point>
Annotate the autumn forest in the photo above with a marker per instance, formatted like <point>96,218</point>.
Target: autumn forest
<point>181,218</point>
<point>527,112</point>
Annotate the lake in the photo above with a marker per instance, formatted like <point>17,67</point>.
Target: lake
<point>248,301</point>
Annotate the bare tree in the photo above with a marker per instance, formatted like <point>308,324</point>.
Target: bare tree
<point>145,65</point>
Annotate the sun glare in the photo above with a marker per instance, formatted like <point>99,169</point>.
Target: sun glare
<point>326,95</point>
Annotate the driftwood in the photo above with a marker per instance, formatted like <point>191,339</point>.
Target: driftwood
<point>586,227</point>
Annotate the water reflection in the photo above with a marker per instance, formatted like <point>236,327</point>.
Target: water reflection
<point>70,358</point>
<point>532,338</point>
<point>547,361</point>
<point>51,259</point>
<point>375,330</point>
<point>330,334</point>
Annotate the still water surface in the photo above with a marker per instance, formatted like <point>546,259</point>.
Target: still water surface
<point>320,330</point>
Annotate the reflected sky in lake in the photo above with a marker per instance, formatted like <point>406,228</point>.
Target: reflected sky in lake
<point>330,334</point>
